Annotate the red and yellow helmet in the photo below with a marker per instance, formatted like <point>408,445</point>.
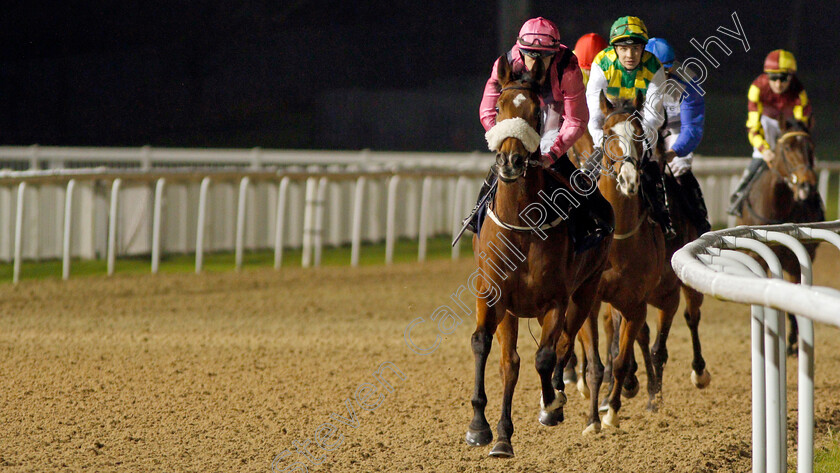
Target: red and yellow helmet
<point>780,62</point>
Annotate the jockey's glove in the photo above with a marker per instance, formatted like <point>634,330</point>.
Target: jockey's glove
<point>680,166</point>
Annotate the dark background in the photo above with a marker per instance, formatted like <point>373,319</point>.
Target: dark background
<point>396,75</point>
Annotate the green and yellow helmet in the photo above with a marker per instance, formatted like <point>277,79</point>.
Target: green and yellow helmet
<point>628,30</point>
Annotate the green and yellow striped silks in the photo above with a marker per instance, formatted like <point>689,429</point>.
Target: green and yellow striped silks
<point>621,83</point>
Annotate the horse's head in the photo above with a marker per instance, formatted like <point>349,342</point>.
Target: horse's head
<point>794,159</point>
<point>515,138</point>
<point>623,138</point>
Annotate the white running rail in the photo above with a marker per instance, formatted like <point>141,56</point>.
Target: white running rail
<point>712,265</point>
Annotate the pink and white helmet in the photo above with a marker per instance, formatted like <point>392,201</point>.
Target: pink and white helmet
<point>539,34</point>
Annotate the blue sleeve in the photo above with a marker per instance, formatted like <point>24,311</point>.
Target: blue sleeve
<point>692,115</point>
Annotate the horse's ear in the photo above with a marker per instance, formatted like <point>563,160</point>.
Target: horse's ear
<point>504,71</point>
<point>606,105</point>
<point>639,100</point>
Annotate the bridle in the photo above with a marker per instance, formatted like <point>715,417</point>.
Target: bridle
<point>789,179</point>
<point>628,158</point>
<point>790,171</point>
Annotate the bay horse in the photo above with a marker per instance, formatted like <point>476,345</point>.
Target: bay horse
<point>549,280</point>
<point>665,298</point>
<point>787,194</point>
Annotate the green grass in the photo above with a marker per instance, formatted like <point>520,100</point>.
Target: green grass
<point>827,457</point>
<point>370,254</point>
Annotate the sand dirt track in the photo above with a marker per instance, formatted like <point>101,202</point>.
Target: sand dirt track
<point>222,372</point>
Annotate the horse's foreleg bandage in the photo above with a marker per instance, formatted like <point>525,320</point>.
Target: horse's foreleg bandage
<point>512,128</point>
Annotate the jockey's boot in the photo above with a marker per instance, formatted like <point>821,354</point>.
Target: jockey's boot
<point>587,221</point>
<point>472,219</point>
<point>736,201</point>
<point>690,189</point>
<point>653,190</point>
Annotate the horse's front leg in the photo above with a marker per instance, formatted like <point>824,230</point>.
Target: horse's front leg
<point>634,318</point>
<point>507,334</point>
<point>551,403</point>
<point>479,432</point>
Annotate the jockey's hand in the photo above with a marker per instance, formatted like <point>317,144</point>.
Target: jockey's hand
<point>669,155</point>
<point>546,160</point>
<point>680,166</point>
<point>768,156</point>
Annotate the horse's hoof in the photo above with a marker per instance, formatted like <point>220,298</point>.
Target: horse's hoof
<point>478,438</point>
<point>631,387</point>
<point>702,380</point>
<point>592,429</point>
<point>583,389</point>
<point>570,376</point>
<point>652,406</point>
<point>605,406</point>
<point>558,403</point>
<point>611,418</point>
<point>502,449</point>
<point>551,418</point>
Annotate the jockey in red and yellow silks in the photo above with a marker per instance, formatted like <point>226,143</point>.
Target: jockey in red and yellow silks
<point>775,95</point>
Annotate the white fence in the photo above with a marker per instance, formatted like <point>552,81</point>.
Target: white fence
<point>711,265</point>
<point>453,180</point>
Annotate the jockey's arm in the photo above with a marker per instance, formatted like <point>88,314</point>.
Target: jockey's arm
<point>802,108</point>
<point>487,109</point>
<point>575,113</point>
<point>692,117</point>
<point>654,115</point>
<point>755,132</point>
<point>597,83</point>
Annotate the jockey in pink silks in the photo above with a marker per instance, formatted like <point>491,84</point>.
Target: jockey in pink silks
<point>564,117</point>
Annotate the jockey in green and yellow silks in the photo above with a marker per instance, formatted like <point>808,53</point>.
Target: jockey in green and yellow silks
<point>620,79</point>
<point>620,71</point>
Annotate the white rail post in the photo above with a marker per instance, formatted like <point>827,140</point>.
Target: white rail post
<point>279,228</point>
<point>35,235</point>
<point>774,357</point>
<point>391,216</point>
<point>241,210</point>
<point>759,411</point>
<point>68,226</point>
<point>202,215</point>
<point>112,225</point>
<point>822,186</point>
<point>805,451</point>
<point>460,194</point>
<point>358,205</point>
<point>308,217</point>
<point>19,231</point>
<point>156,221</point>
<point>318,239</point>
<point>424,217</point>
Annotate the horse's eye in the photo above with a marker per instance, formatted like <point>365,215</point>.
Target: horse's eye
<point>497,109</point>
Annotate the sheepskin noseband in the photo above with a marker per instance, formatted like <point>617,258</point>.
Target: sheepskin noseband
<point>513,128</point>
